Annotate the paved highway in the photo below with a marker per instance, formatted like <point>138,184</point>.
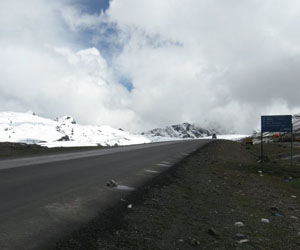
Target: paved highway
<point>43,198</point>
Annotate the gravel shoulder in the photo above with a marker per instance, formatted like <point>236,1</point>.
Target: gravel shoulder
<point>197,204</point>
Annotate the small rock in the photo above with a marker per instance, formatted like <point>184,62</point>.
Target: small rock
<point>217,186</point>
<point>195,242</point>
<point>239,224</point>
<point>129,206</point>
<point>274,208</point>
<point>209,180</point>
<point>261,175</point>
<point>112,183</point>
<point>265,220</point>
<point>290,178</point>
<point>212,231</point>
<point>243,241</point>
<point>294,196</point>
<point>180,240</point>
<point>239,236</point>
<point>294,217</point>
<point>259,171</point>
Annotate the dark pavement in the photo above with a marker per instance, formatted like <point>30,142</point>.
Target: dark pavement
<point>44,198</point>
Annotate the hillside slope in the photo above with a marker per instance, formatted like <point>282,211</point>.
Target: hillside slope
<point>63,132</point>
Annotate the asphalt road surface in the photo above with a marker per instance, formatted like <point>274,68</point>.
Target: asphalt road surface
<point>46,197</point>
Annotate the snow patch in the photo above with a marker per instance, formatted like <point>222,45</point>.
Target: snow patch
<point>61,132</point>
<point>65,132</point>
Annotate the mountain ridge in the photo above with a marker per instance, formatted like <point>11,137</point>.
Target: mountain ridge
<point>183,130</point>
<point>30,128</point>
<point>60,132</point>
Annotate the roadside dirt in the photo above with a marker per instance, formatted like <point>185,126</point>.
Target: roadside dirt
<point>214,199</point>
<point>10,150</point>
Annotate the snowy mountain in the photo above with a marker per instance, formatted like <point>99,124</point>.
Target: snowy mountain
<point>296,124</point>
<point>63,132</point>
<point>179,131</point>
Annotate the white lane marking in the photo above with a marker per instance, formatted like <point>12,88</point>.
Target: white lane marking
<point>122,187</point>
<point>151,171</point>
<point>163,165</point>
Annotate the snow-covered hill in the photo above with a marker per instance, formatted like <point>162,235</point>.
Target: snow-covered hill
<point>188,131</point>
<point>179,131</point>
<point>63,132</point>
<point>296,123</point>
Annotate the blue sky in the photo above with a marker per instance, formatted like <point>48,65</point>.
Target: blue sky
<point>93,6</point>
<point>85,37</point>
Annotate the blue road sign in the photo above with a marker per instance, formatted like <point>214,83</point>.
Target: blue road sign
<point>276,123</point>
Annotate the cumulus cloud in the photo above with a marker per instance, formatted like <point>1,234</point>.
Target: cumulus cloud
<point>43,70</point>
<point>212,62</point>
<point>216,63</point>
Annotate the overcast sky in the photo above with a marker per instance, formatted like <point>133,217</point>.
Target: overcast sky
<point>142,64</point>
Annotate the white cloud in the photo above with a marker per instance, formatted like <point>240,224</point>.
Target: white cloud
<point>210,62</point>
<point>42,70</point>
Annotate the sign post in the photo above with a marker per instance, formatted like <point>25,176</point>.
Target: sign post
<point>277,123</point>
<point>292,140</point>
<point>261,146</point>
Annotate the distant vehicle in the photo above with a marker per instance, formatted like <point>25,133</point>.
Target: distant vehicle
<point>214,136</point>
<point>249,141</point>
<point>276,137</point>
